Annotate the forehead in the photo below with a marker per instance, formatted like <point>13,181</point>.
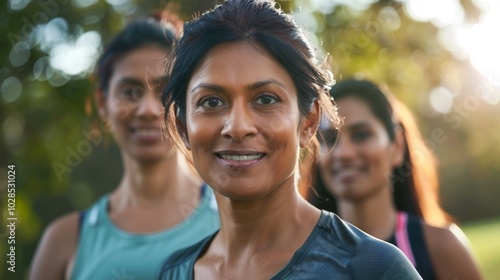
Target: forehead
<point>355,110</point>
<point>239,63</point>
<point>145,60</point>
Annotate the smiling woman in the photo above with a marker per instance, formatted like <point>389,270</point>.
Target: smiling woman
<point>382,178</point>
<point>248,97</point>
<point>160,205</point>
<point>225,93</point>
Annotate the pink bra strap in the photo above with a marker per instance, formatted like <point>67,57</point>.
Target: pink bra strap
<point>402,239</point>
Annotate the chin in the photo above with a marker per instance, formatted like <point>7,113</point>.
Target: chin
<point>149,157</point>
<point>347,191</point>
<point>238,196</point>
<point>151,153</point>
<point>240,193</point>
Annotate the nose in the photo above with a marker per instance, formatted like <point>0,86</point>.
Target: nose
<point>239,123</point>
<point>344,149</point>
<point>149,106</point>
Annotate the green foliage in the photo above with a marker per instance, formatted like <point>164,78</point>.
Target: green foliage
<point>483,236</point>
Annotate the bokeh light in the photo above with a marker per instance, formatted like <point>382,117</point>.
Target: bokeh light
<point>479,42</point>
<point>52,33</point>
<point>13,128</point>
<point>11,89</point>
<point>19,54</point>
<point>441,100</point>
<point>42,69</point>
<point>441,13</point>
<point>79,56</point>
<point>16,5</point>
<point>84,3</point>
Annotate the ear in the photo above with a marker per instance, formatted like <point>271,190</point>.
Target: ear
<point>399,147</point>
<point>309,125</point>
<point>100,102</point>
<point>181,129</point>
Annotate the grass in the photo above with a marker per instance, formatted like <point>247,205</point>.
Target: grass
<point>485,240</point>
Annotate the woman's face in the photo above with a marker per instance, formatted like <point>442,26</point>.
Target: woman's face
<point>242,121</point>
<point>132,105</point>
<point>361,163</point>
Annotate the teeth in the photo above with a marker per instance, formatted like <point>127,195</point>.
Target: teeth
<point>238,157</point>
<point>346,171</point>
<point>148,132</point>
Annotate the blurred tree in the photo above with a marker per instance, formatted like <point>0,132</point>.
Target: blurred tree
<point>49,48</point>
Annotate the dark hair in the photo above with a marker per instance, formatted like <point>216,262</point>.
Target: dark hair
<point>159,30</point>
<point>373,97</point>
<point>257,22</point>
<point>414,183</point>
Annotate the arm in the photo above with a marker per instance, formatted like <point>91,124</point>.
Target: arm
<point>56,249</point>
<point>450,253</point>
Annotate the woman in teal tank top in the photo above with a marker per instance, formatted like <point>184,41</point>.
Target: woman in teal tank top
<point>160,205</point>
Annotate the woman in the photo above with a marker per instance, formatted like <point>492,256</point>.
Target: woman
<point>160,205</point>
<point>384,181</point>
<point>248,97</point>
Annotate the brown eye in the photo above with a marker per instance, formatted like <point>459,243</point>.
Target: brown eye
<point>360,136</point>
<point>266,100</point>
<point>211,102</point>
<point>132,93</point>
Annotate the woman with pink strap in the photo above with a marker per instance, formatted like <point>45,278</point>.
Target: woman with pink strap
<point>382,178</point>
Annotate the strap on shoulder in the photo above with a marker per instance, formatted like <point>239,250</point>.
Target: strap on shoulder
<point>81,218</point>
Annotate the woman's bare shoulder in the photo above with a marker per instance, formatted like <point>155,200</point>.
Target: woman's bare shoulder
<point>56,248</point>
<point>451,253</point>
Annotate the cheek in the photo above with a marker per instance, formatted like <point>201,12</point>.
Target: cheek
<point>380,161</point>
<point>375,149</point>
<point>201,134</point>
<point>119,110</point>
<point>280,128</point>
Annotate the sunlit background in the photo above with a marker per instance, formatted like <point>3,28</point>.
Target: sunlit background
<point>442,58</point>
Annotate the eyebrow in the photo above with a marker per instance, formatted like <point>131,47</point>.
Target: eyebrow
<point>253,86</point>
<point>358,125</point>
<point>159,80</point>
<point>134,81</point>
<point>264,83</point>
<point>128,80</point>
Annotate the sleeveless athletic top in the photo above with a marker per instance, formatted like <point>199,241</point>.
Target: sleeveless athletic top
<point>107,252</point>
<point>409,238</point>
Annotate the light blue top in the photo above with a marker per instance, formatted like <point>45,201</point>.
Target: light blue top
<point>107,252</point>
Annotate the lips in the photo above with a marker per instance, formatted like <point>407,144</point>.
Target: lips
<point>240,158</point>
<point>347,174</point>
<point>147,134</point>
<point>346,170</point>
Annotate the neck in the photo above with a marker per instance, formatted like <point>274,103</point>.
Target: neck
<point>375,215</point>
<point>151,183</point>
<point>277,221</point>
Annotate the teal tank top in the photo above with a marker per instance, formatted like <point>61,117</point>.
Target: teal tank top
<point>107,252</point>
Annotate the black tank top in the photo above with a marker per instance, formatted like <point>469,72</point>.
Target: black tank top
<point>409,238</point>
